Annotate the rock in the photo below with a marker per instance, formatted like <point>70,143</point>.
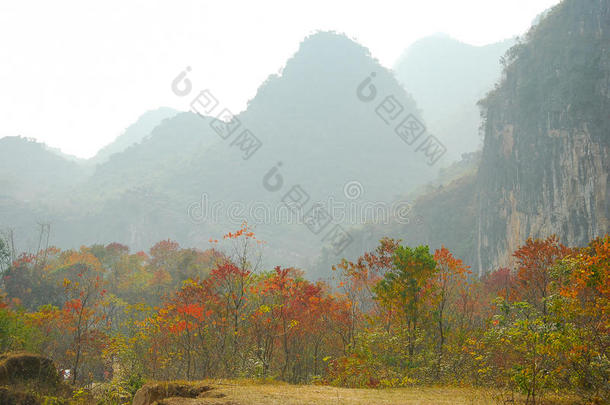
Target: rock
<point>26,369</point>
<point>155,392</point>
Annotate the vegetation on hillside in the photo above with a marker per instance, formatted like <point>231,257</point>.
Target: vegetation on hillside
<point>399,316</point>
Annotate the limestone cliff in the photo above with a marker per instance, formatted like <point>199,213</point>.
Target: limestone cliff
<point>544,166</point>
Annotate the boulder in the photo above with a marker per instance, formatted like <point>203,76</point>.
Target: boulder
<point>155,392</point>
<point>20,368</point>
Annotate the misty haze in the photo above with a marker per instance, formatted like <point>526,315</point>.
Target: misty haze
<point>305,203</point>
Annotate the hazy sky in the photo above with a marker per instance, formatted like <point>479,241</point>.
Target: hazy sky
<point>74,74</point>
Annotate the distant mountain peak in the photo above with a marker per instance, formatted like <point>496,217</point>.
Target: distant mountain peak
<point>135,133</point>
<point>321,41</point>
<point>327,67</point>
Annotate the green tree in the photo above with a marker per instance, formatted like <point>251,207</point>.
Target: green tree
<point>402,289</point>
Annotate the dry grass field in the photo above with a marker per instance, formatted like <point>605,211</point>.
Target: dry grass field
<point>247,392</point>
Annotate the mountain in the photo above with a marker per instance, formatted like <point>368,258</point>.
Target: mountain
<point>327,120</point>
<point>34,181</point>
<point>134,133</point>
<point>325,129</point>
<point>545,161</point>
<point>309,118</point>
<point>544,165</point>
<point>29,170</point>
<point>447,78</point>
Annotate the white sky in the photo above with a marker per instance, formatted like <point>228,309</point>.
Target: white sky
<point>74,74</point>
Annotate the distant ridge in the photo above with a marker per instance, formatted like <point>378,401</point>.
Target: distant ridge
<point>447,78</point>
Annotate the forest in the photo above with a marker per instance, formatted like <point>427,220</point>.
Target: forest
<point>398,316</point>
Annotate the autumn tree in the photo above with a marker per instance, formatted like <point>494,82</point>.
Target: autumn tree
<point>357,281</point>
<point>582,310</point>
<point>451,280</point>
<point>83,294</point>
<point>535,260</point>
<point>186,316</point>
<point>32,282</point>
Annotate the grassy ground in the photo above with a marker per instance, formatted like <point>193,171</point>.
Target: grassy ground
<point>247,392</point>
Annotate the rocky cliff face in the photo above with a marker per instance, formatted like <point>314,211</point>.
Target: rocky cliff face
<point>544,167</point>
